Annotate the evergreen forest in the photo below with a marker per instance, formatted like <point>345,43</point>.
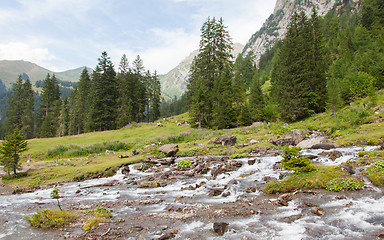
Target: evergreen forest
<point>323,64</point>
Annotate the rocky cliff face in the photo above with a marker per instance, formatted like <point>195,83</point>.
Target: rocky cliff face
<point>174,83</point>
<point>275,26</point>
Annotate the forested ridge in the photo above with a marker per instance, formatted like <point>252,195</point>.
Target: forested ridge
<point>322,64</point>
<point>102,100</point>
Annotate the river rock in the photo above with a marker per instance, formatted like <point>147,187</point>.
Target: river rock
<point>225,140</point>
<point>168,235</point>
<point>284,199</point>
<point>162,161</point>
<point>380,235</point>
<point>347,168</point>
<point>309,143</point>
<point>292,138</point>
<point>325,146</point>
<point>220,228</point>
<point>251,161</point>
<point>125,170</point>
<point>317,211</point>
<point>215,192</point>
<point>169,150</point>
<point>260,150</point>
<point>291,219</point>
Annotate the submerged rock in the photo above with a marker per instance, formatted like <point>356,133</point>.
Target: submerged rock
<point>317,211</point>
<point>291,219</point>
<point>220,228</point>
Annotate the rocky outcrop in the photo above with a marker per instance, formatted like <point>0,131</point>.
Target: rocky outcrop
<point>275,27</point>
<point>313,141</point>
<point>225,140</point>
<point>292,138</point>
<point>175,81</point>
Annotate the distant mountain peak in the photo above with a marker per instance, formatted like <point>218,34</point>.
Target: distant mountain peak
<point>275,27</point>
<point>174,83</point>
<point>11,69</point>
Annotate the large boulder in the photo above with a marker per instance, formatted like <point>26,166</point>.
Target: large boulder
<point>292,138</point>
<point>225,140</point>
<point>169,150</point>
<point>311,142</point>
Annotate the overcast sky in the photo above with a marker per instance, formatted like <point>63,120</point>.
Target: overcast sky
<point>66,34</point>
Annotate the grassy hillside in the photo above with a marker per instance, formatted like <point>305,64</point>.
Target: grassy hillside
<point>351,125</point>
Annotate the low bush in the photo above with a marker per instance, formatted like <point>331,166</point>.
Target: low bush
<point>304,180</point>
<point>48,218</point>
<point>344,184</point>
<point>293,160</point>
<point>375,173</point>
<point>184,163</point>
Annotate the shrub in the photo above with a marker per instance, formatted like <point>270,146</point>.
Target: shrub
<point>48,218</point>
<point>293,160</point>
<point>375,173</point>
<point>304,180</point>
<point>346,184</point>
<point>184,163</point>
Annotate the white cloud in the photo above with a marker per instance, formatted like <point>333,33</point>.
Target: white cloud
<point>175,45</point>
<point>23,51</point>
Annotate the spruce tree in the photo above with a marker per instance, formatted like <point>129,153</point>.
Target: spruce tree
<point>256,100</point>
<point>64,119</point>
<point>102,112</point>
<point>28,116</point>
<point>15,108</point>
<point>299,83</point>
<point>49,107</point>
<point>80,101</point>
<point>10,150</point>
<point>212,65</point>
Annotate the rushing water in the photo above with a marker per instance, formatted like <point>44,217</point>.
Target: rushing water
<point>352,215</point>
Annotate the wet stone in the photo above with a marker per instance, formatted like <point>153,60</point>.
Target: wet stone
<point>317,211</point>
<point>220,227</point>
<point>291,219</point>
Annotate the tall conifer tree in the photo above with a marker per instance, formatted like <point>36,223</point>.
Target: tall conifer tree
<point>212,65</point>
<point>102,113</point>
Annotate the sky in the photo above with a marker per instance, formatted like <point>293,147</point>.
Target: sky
<point>65,34</point>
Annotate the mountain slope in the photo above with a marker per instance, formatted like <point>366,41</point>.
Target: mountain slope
<point>10,70</point>
<point>174,83</point>
<point>275,27</point>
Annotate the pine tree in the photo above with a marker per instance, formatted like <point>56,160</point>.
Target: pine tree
<point>256,101</point>
<point>28,117</point>
<point>210,67</point>
<point>10,150</point>
<point>64,119</point>
<point>15,108</point>
<point>103,104</point>
<point>49,107</point>
<point>154,94</point>
<point>80,99</point>
<point>299,83</point>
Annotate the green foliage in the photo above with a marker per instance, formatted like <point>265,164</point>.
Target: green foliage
<point>48,218</point>
<point>298,79</point>
<point>344,184</point>
<point>184,163</point>
<point>10,150</point>
<point>304,180</point>
<point>294,161</point>
<point>55,195</point>
<point>92,223</point>
<point>210,90</point>
<point>375,173</point>
<point>49,107</point>
<point>76,150</point>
